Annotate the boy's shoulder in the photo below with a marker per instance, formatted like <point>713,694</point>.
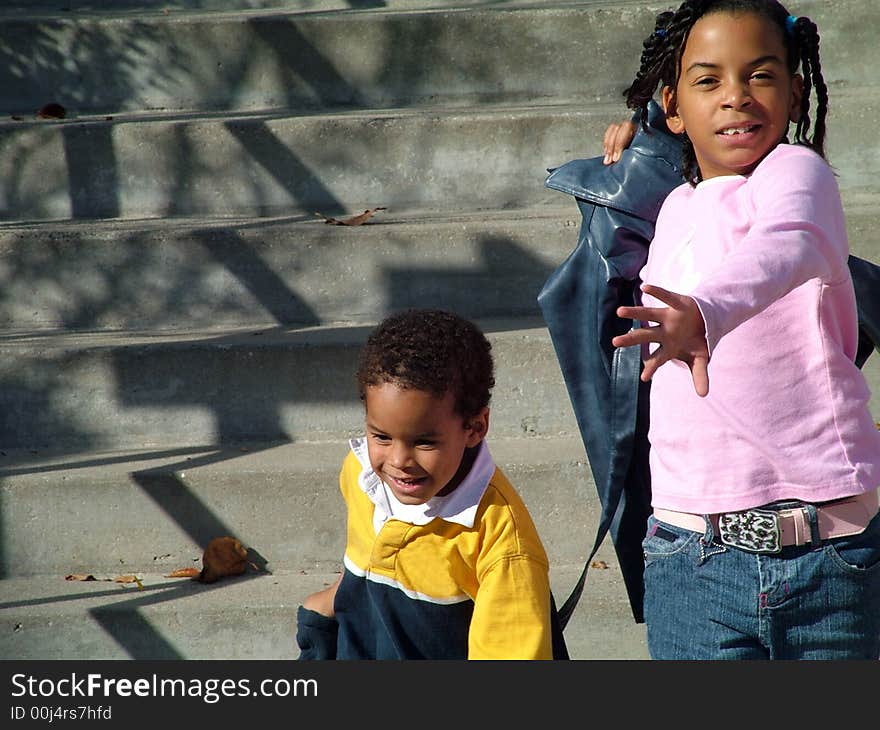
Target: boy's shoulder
<point>504,518</point>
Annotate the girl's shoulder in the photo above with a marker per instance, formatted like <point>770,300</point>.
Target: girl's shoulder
<point>787,156</point>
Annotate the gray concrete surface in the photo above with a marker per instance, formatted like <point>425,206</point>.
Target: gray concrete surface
<point>178,328</point>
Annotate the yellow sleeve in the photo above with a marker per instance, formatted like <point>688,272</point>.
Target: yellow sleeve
<point>511,618</point>
<point>512,611</point>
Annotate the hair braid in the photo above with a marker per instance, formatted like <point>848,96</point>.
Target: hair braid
<point>806,37</point>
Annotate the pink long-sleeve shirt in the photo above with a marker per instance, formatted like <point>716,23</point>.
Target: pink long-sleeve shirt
<point>786,417</point>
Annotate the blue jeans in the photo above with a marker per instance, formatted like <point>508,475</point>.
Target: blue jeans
<point>705,600</point>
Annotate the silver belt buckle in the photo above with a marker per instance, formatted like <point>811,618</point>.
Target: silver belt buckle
<point>755,530</point>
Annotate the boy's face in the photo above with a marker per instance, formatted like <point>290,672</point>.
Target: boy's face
<point>416,441</point>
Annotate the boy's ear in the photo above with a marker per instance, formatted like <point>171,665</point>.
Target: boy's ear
<point>477,427</point>
<point>670,107</point>
<point>797,95</point>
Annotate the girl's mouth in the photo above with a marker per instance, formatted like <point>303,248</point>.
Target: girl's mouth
<point>739,131</point>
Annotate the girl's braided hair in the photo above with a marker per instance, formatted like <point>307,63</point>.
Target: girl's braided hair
<point>661,65</point>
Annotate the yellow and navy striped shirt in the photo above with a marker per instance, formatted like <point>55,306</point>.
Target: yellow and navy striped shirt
<point>464,576</point>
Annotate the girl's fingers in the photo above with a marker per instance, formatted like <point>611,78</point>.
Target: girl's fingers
<point>700,374</point>
<point>616,139</point>
<point>645,314</point>
<point>641,336</point>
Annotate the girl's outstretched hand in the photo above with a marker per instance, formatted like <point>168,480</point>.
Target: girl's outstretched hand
<point>680,333</point>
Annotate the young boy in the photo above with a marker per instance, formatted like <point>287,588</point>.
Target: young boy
<point>442,559</point>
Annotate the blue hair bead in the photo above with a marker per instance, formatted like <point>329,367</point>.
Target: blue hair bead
<point>660,32</point>
<point>789,23</point>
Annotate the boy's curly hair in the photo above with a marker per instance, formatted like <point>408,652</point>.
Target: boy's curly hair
<point>431,350</point>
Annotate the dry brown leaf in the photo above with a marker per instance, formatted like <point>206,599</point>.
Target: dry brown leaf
<point>51,111</point>
<point>222,557</point>
<point>599,565</point>
<point>80,576</point>
<point>129,579</point>
<point>356,220</point>
<point>184,573</point>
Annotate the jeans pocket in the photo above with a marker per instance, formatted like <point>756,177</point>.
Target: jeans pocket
<point>663,540</point>
<point>858,553</point>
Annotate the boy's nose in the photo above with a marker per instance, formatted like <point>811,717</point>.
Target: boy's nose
<point>399,456</point>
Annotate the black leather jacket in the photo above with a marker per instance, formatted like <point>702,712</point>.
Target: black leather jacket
<point>619,205</point>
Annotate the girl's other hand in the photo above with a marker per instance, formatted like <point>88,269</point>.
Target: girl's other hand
<point>617,139</point>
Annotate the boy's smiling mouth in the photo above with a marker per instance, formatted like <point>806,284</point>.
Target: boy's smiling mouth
<point>406,484</point>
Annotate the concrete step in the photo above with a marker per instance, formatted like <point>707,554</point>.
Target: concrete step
<point>114,8</point>
<point>215,56</point>
<point>174,273</point>
<point>98,391</point>
<point>277,164</point>
<point>441,160</point>
<point>151,511</point>
<point>250,617</point>
<point>168,274</point>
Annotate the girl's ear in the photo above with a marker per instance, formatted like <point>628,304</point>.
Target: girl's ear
<point>797,95</point>
<point>670,106</point>
<point>477,427</point>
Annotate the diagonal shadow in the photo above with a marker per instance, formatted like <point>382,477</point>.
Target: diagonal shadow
<point>240,259</point>
<point>122,620</point>
<point>280,162</point>
<point>505,283</point>
<point>300,61</point>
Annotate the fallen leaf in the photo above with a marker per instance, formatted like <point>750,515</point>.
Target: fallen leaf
<point>79,576</point>
<point>222,557</point>
<point>184,573</point>
<point>599,565</point>
<point>51,111</point>
<point>129,579</point>
<point>357,220</point>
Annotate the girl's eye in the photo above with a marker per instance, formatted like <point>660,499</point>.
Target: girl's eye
<point>425,444</point>
<point>381,438</point>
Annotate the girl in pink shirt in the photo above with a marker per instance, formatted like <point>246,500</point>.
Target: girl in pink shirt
<point>765,537</point>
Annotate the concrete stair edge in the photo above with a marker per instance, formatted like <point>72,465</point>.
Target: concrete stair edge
<point>249,617</point>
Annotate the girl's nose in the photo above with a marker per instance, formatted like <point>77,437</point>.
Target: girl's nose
<point>737,95</point>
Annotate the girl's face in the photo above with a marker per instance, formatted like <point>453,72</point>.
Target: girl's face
<point>735,95</point>
<point>417,441</point>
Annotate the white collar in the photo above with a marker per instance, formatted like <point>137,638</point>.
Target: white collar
<point>459,507</point>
